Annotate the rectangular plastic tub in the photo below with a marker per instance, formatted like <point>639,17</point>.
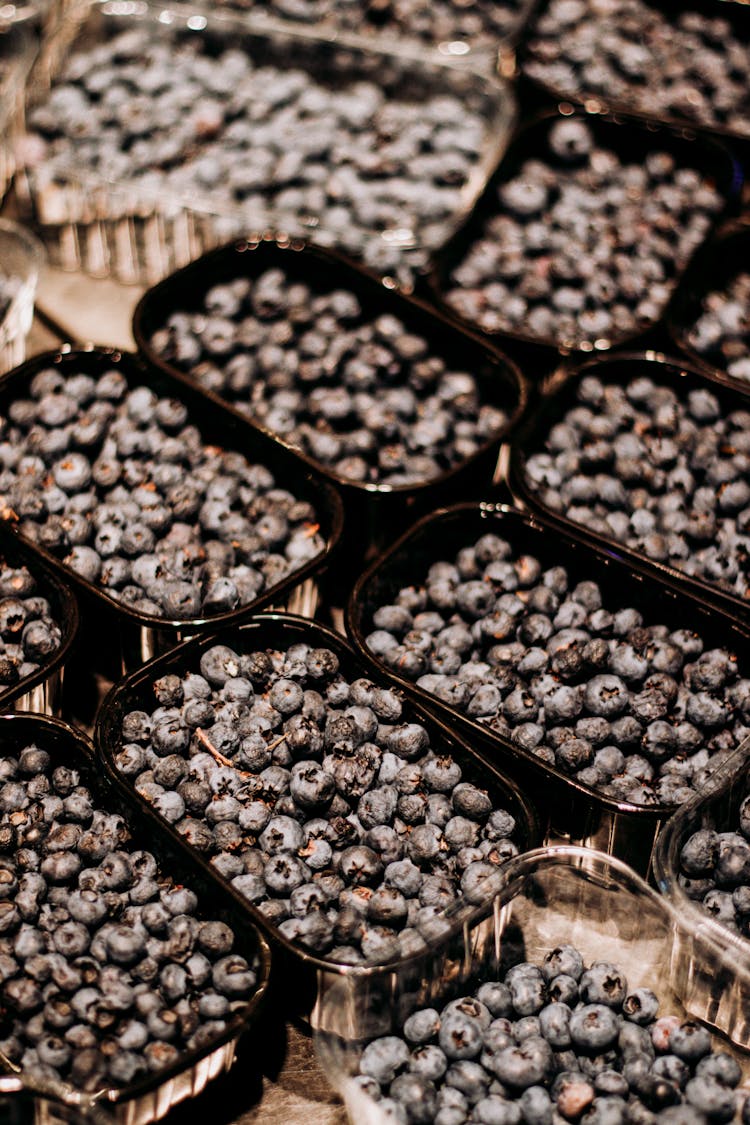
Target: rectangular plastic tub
<point>119,636</point>
<point>21,258</point>
<point>630,140</point>
<point>549,898</point>
<point>143,233</point>
<point>712,270</point>
<point>280,632</point>
<point>576,811</point>
<point>618,370</point>
<point>374,512</point>
<point>43,690</point>
<point>150,1098</point>
<point>709,967</point>
<point>661,22</point>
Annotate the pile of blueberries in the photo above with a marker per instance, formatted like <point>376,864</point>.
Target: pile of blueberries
<point>29,632</point>
<point>661,469</point>
<point>317,798</point>
<point>108,970</point>
<point>552,1042</point>
<point>270,143</point>
<point>721,332</point>
<point>632,708</point>
<point>479,24</point>
<point>690,65</point>
<point>581,244</point>
<point>117,482</point>
<point>715,871</point>
<point>363,396</point>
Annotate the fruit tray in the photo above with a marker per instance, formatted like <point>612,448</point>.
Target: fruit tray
<point>379,505</point>
<point>140,226</point>
<point>659,60</point>
<point>41,689</point>
<point>147,1097</point>
<point>17,51</point>
<point>130,633</point>
<point>719,578</point>
<point>552,901</point>
<point>710,962</point>
<point>595,810</point>
<point>21,258</point>
<point>307,953</point>
<point>514,269</point>
<point>710,281</point>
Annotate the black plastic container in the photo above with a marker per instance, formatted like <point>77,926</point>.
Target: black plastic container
<point>631,140</point>
<point>618,370</point>
<point>577,813</point>
<point>121,637</point>
<point>374,512</point>
<point>736,14</point>
<point>279,631</point>
<point>151,1097</point>
<point>42,691</point>
<point>714,267</point>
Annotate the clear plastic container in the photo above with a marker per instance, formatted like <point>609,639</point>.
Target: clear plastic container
<point>149,1098</point>
<point>141,234</point>
<point>709,967</point>
<point>549,897</point>
<point>21,258</point>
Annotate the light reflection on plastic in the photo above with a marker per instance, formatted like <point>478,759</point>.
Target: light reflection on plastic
<point>197,23</point>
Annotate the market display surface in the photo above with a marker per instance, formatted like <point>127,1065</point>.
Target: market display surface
<point>477,839</point>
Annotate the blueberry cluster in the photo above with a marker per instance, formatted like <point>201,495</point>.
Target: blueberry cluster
<point>481,24</point>
<point>634,710</point>
<point>691,65</point>
<point>721,332</point>
<point>661,471</point>
<point>107,970</point>
<point>118,483</point>
<point>317,798</point>
<point>552,1042</point>
<point>583,245</point>
<point>364,397</point>
<point>715,871</point>
<point>29,633</point>
<point>265,141</point>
